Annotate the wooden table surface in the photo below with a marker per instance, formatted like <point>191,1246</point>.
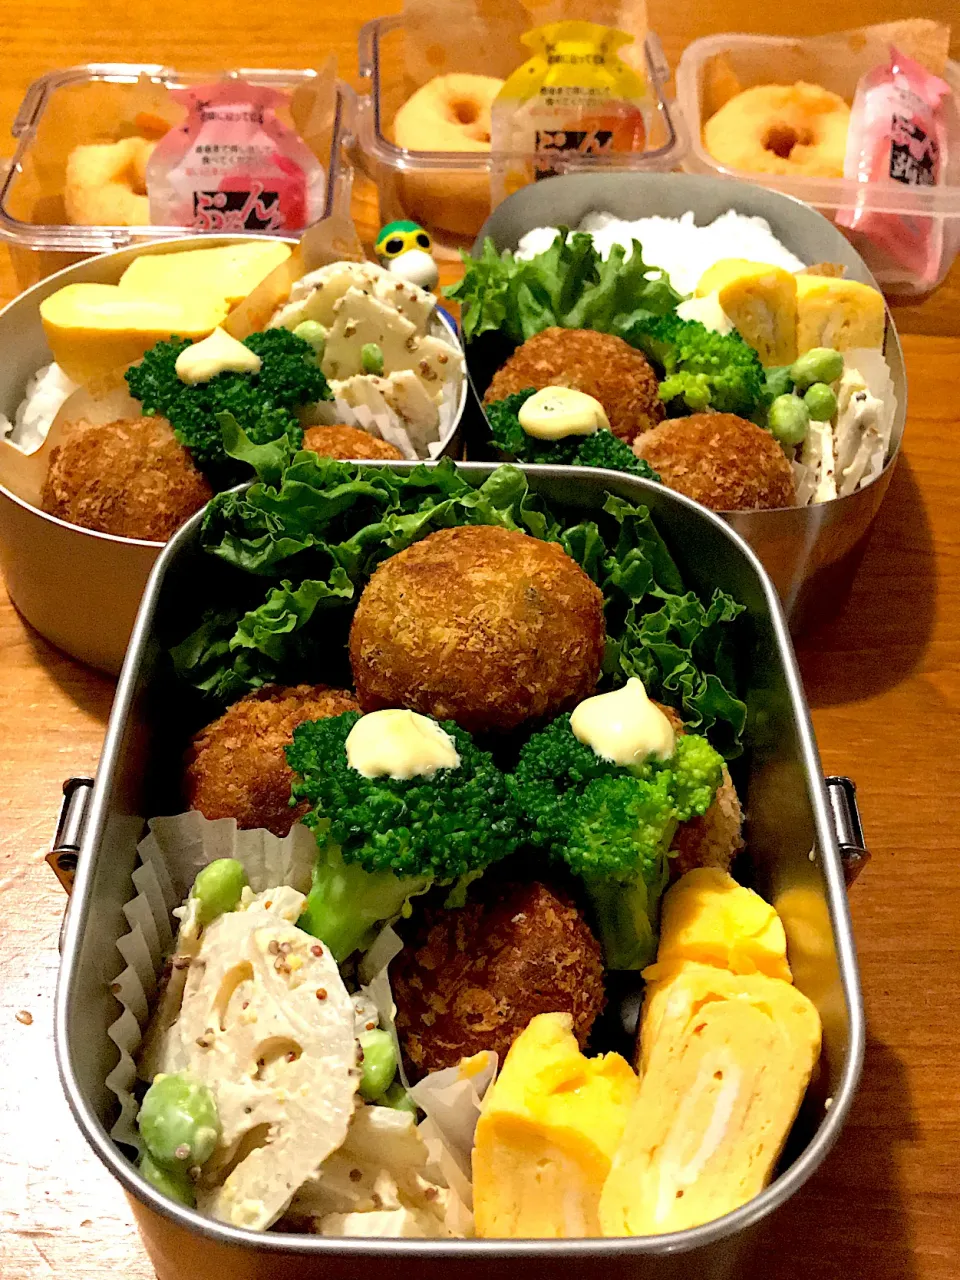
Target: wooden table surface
<point>883,678</point>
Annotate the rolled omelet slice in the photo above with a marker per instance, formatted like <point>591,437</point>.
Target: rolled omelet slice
<point>761,301</point>
<point>721,1086</point>
<point>94,329</point>
<point>225,274</point>
<point>838,313</point>
<point>707,917</point>
<point>547,1134</point>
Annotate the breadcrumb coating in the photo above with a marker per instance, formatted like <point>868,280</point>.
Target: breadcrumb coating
<point>482,625</point>
<point>721,461</point>
<point>471,979</point>
<point>130,478</point>
<point>348,444</point>
<point>599,364</point>
<point>236,768</point>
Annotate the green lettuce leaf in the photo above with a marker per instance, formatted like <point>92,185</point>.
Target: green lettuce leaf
<point>267,460</point>
<point>323,530</point>
<point>288,609</point>
<point>569,284</point>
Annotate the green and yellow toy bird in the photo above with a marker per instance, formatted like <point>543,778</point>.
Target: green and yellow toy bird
<point>404,249</point>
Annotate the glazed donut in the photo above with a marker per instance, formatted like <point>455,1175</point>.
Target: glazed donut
<point>106,184</point>
<point>448,113</point>
<point>781,128</point>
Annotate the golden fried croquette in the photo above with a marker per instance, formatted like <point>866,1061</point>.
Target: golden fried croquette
<point>472,978</point>
<point>481,625</point>
<point>236,768</point>
<point>348,443</point>
<point>714,839</point>
<point>133,479</point>
<point>598,364</point>
<point>720,460</point>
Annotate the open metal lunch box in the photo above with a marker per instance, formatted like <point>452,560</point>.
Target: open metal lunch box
<point>794,544</point>
<point>800,834</point>
<point>80,588</point>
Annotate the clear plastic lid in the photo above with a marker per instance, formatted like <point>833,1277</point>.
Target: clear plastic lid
<point>411,182</point>
<point>755,60</point>
<point>100,102</point>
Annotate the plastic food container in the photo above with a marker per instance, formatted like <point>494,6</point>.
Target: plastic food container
<point>448,192</point>
<point>80,589</point>
<point>796,862</point>
<point>795,544</point>
<point>85,104</point>
<point>774,59</point>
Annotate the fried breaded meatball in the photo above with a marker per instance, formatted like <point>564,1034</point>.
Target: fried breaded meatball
<point>721,460</point>
<point>714,839</point>
<point>348,443</point>
<point>481,625</point>
<point>133,479</point>
<point>471,979</point>
<point>236,768</point>
<point>598,364</point>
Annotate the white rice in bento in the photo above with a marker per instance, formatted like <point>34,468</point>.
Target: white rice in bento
<point>46,391</point>
<point>677,245</point>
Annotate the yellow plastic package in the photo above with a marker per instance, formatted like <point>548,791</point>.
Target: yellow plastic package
<point>574,98</point>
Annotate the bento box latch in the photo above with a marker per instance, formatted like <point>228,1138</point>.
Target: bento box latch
<point>73,817</point>
<point>842,793</point>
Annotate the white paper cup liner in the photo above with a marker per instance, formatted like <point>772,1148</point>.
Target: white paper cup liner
<point>379,420</point>
<point>171,854</point>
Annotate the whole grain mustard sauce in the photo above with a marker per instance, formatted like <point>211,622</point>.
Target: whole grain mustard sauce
<point>399,744</point>
<point>624,726</point>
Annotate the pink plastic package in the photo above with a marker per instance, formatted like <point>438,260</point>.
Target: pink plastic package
<point>899,133</point>
<point>233,166</point>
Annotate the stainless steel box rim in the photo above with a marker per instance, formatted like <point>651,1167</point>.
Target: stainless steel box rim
<point>472,1251</point>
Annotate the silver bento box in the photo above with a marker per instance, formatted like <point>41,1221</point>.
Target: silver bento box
<point>795,544</point>
<point>797,829</point>
<point>78,588</point>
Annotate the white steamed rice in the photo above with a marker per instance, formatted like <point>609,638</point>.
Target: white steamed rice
<point>45,393</point>
<point>678,245</point>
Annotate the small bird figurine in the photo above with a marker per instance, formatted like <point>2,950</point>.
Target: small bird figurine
<point>404,249</point>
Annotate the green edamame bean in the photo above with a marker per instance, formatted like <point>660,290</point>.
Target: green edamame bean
<point>398,1098</point>
<point>314,333</point>
<point>178,1122</point>
<point>820,401</point>
<point>788,419</point>
<point>379,1064</point>
<point>371,358</point>
<point>217,888</point>
<point>779,381</point>
<point>819,364</point>
<point>174,1184</point>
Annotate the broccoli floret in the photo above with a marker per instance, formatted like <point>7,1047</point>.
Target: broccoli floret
<point>383,840</point>
<point>700,369</point>
<point>697,771</point>
<point>262,403</point>
<point>602,449</point>
<point>612,826</point>
<point>507,433</point>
